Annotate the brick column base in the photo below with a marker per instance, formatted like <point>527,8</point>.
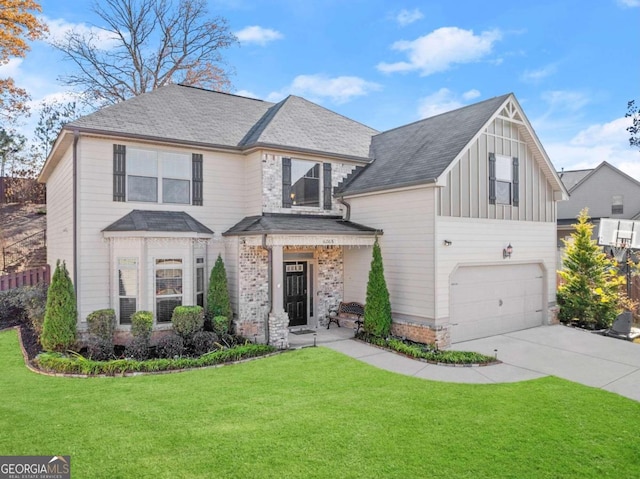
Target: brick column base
<point>279,330</point>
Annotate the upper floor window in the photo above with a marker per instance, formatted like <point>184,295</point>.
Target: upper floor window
<point>503,180</point>
<point>617,204</point>
<point>306,183</point>
<point>156,176</point>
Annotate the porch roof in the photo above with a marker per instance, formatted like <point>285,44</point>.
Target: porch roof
<point>291,224</point>
<point>165,221</point>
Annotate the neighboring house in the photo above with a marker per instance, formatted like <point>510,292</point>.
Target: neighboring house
<point>605,190</point>
<point>143,196</point>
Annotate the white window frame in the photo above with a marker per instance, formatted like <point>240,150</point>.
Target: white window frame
<point>200,265</point>
<point>161,169</point>
<point>504,175</point>
<point>617,201</point>
<point>127,263</point>
<point>156,267</point>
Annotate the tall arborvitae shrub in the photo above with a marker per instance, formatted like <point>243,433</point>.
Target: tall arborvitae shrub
<point>218,294</point>
<point>377,310</point>
<point>589,295</point>
<point>60,317</point>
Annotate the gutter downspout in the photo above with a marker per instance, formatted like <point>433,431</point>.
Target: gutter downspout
<point>341,200</point>
<point>269,285</point>
<point>76,137</point>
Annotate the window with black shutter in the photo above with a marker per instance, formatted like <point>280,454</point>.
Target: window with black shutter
<point>286,183</point>
<point>516,182</point>
<point>492,178</point>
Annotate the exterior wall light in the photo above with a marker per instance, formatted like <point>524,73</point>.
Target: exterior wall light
<point>506,253</point>
<point>447,243</point>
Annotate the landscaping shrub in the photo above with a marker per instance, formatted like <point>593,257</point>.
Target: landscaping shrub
<point>218,303</point>
<point>220,325</point>
<point>170,346</point>
<point>187,321</point>
<point>203,342</point>
<point>377,309</point>
<point>589,296</point>
<point>141,325</point>
<point>11,309</point>
<point>137,348</point>
<point>102,324</point>
<point>100,349</point>
<point>34,302</point>
<point>60,319</point>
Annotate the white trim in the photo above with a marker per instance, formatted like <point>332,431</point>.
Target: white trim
<point>392,190</point>
<point>310,240</point>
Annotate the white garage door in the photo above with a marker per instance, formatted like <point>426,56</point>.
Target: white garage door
<point>489,300</point>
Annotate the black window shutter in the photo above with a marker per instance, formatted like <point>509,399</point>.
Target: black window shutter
<point>119,172</point>
<point>492,178</point>
<point>516,182</point>
<point>286,182</point>
<point>196,175</point>
<point>326,185</point>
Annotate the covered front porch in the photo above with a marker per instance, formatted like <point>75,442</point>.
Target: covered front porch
<point>291,272</point>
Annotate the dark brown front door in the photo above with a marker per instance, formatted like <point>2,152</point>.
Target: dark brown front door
<point>295,292</point>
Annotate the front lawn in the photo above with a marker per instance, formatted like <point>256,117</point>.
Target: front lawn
<point>313,413</point>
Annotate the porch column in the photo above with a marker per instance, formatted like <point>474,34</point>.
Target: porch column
<point>278,318</point>
<point>277,280</point>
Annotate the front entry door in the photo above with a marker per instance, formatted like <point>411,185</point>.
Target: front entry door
<point>295,292</point>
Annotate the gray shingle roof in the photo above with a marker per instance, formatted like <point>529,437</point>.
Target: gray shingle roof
<point>571,178</point>
<point>274,223</point>
<point>193,115</point>
<point>420,152</point>
<point>164,221</point>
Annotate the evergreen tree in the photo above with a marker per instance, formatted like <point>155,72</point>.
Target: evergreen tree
<point>377,310</point>
<point>60,317</point>
<point>218,294</point>
<point>590,294</point>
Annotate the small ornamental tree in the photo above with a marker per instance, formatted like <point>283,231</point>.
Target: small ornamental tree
<point>589,295</point>
<point>218,294</point>
<point>377,310</point>
<point>60,317</point>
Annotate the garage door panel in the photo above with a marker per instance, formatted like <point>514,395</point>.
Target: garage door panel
<point>489,300</point>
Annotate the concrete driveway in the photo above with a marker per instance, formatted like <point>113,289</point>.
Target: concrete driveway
<point>593,360</point>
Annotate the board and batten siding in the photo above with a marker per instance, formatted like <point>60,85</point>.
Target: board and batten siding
<point>481,241</point>
<point>223,206</point>
<point>60,213</point>
<point>407,220</point>
<point>466,193</point>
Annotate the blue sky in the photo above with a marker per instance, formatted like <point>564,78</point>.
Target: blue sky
<point>573,65</point>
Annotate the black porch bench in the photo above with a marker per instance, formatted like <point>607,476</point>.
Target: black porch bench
<point>351,311</point>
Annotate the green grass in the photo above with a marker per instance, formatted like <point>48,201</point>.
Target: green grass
<point>314,413</point>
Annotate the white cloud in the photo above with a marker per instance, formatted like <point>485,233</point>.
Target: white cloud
<point>258,35</point>
<point>11,68</point>
<point>405,17</point>
<point>439,102</point>
<point>442,48</point>
<point>533,76</point>
<point>629,3</point>
<point>591,146</point>
<point>471,94</point>
<point>338,89</point>
<point>59,28</point>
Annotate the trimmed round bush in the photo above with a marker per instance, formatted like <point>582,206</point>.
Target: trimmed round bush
<point>102,323</point>
<point>142,324</point>
<point>99,349</point>
<point>170,346</point>
<point>203,342</point>
<point>187,321</point>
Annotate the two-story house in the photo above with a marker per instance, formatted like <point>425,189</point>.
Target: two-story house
<point>144,195</point>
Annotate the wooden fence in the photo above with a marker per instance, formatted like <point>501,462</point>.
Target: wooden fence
<point>30,277</point>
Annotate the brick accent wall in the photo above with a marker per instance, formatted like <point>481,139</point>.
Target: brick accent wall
<point>421,333</point>
<point>272,187</point>
<point>253,292</point>
<point>330,279</point>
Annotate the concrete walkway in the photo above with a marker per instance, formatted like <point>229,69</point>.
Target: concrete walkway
<point>583,357</point>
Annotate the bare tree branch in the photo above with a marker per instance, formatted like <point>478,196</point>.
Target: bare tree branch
<point>145,44</point>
